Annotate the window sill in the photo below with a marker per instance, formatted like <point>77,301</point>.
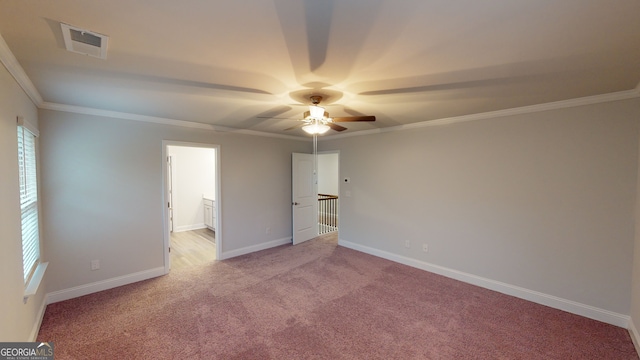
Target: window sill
<point>36,280</point>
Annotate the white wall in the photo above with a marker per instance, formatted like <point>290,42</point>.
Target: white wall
<point>194,175</point>
<point>542,201</point>
<point>18,321</point>
<point>328,182</point>
<point>102,192</point>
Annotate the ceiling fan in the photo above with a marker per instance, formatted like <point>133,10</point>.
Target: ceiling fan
<point>317,121</point>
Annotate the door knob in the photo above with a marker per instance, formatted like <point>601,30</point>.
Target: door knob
<point>295,203</point>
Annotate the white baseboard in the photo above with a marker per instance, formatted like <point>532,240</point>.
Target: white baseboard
<point>189,227</point>
<point>635,337</point>
<point>36,326</point>
<point>254,248</point>
<point>573,307</point>
<point>87,289</point>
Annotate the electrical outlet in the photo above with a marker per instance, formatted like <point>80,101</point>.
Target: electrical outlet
<point>95,264</point>
<point>407,243</point>
<point>425,247</point>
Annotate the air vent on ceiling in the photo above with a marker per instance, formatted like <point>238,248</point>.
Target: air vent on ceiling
<point>84,41</point>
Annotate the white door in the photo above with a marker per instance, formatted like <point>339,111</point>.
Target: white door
<point>304,198</point>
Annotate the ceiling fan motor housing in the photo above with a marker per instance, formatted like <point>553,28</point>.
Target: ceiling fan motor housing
<point>315,99</point>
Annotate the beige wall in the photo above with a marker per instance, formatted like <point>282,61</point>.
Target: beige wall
<point>542,201</point>
<point>17,320</point>
<point>102,193</point>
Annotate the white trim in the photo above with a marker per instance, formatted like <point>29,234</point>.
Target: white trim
<point>635,337</point>
<point>254,248</point>
<point>573,307</point>
<point>13,66</point>
<point>35,281</point>
<point>39,317</point>
<point>161,120</point>
<point>589,100</point>
<point>189,227</point>
<point>74,292</point>
<point>127,116</point>
<point>27,125</point>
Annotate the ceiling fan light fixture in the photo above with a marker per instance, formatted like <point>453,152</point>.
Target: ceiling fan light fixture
<point>316,112</point>
<point>316,121</point>
<point>316,128</point>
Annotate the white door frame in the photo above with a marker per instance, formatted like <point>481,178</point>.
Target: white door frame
<point>165,197</point>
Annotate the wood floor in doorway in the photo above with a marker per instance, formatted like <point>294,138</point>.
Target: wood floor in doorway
<point>191,248</point>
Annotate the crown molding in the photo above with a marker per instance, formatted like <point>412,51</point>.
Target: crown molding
<point>160,120</point>
<point>588,100</point>
<point>13,66</point>
<point>15,69</point>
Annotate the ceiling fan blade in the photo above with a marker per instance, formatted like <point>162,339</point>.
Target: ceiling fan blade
<point>336,127</point>
<point>354,118</point>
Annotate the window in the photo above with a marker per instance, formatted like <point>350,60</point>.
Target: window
<point>28,201</point>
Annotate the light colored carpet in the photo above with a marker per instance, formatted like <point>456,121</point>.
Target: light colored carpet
<point>317,300</point>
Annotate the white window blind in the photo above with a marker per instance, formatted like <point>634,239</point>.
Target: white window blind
<point>28,201</point>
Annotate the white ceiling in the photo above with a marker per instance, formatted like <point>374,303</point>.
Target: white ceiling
<point>228,63</point>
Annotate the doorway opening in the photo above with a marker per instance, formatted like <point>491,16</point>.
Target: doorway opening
<point>309,217</point>
<point>328,192</point>
<point>192,233</point>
